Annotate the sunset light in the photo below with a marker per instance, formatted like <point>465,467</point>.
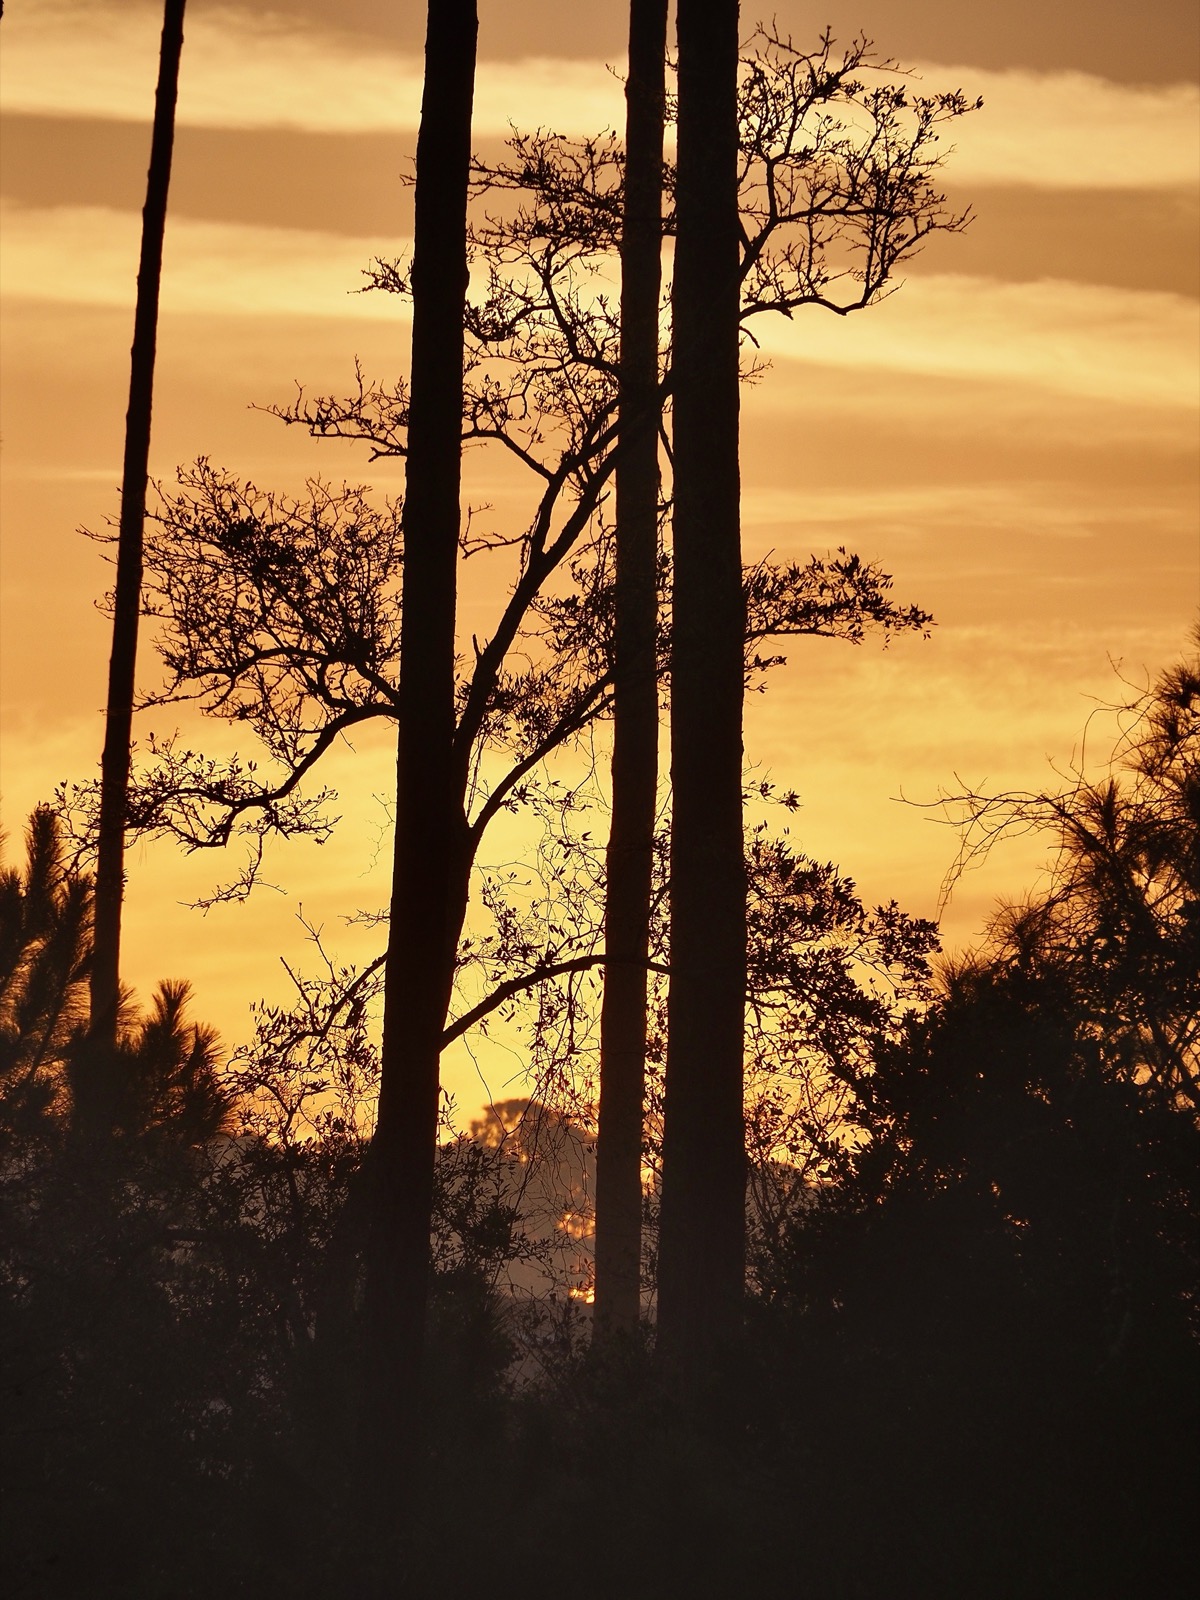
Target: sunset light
<point>672,778</point>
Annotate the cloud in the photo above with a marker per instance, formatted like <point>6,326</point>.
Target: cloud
<point>73,58</point>
<point>242,71</point>
<point>1069,130</point>
<point>1135,347</point>
<point>1126,345</point>
<point>87,255</point>
<point>1070,510</point>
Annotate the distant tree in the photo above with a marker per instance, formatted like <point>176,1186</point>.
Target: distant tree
<point>127,597</point>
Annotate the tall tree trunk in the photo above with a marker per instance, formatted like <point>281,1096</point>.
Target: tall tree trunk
<point>702,1240</point>
<point>635,708</point>
<point>114,765</point>
<point>427,882</point>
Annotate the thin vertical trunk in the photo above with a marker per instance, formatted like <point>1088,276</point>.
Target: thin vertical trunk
<point>702,1241</point>
<point>635,707</point>
<point>114,766</point>
<point>428,874</point>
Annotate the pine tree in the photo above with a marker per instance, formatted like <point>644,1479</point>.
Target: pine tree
<point>702,1239</point>
<point>431,863</point>
<point>110,870</point>
<point>635,690</point>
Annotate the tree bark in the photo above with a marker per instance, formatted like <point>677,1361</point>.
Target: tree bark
<point>114,764</point>
<point>702,1240</point>
<point>635,699</point>
<point>430,861</point>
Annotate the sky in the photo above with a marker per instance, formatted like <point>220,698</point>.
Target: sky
<point>1013,434</point>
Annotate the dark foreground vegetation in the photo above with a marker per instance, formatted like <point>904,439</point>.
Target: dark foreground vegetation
<point>969,1363</point>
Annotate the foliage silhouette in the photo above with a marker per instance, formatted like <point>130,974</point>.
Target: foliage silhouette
<point>971,1359</point>
<point>1120,920</point>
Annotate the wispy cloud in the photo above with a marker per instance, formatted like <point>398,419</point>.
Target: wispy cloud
<point>242,71</point>
<point>87,255</point>
<point>1126,345</point>
<point>1066,510</point>
<point>1068,130</point>
<point>1129,346</point>
<point>1059,130</point>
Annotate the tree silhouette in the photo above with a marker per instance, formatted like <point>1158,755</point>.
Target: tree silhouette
<point>701,1262</point>
<point>45,954</point>
<point>998,1290</point>
<point>284,613</point>
<point>159,1073</point>
<point>630,856</point>
<point>813,178</point>
<point>431,863</point>
<point>234,565</point>
<point>127,598</point>
<point>109,1334</point>
<point>1119,921</point>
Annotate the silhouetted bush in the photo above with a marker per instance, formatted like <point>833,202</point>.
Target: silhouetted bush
<point>969,1366</point>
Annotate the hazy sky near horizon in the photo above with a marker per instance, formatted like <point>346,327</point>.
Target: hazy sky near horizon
<point>1013,434</point>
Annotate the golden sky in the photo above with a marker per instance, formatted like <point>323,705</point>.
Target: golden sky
<point>1013,434</point>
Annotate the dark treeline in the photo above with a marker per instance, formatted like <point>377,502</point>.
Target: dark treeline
<point>895,1267</point>
<point>969,1359</point>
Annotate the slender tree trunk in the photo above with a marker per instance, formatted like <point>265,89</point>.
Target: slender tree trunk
<point>635,707</point>
<point>702,1241</point>
<point>428,884</point>
<point>114,766</point>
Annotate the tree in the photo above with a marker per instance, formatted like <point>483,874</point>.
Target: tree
<point>701,1265</point>
<point>1009,1239</point>
<point>282,613</point>
<point>1119,921</point>
<point>431,867</point>
<point>1007,1232</point>
<point>702,1239</point>
<point>45,955</point>
<point>109,1339</point>
<point>630,857</point>
<point>127,598</point>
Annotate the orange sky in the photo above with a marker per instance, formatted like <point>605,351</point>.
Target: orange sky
<point>1013,435</point>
